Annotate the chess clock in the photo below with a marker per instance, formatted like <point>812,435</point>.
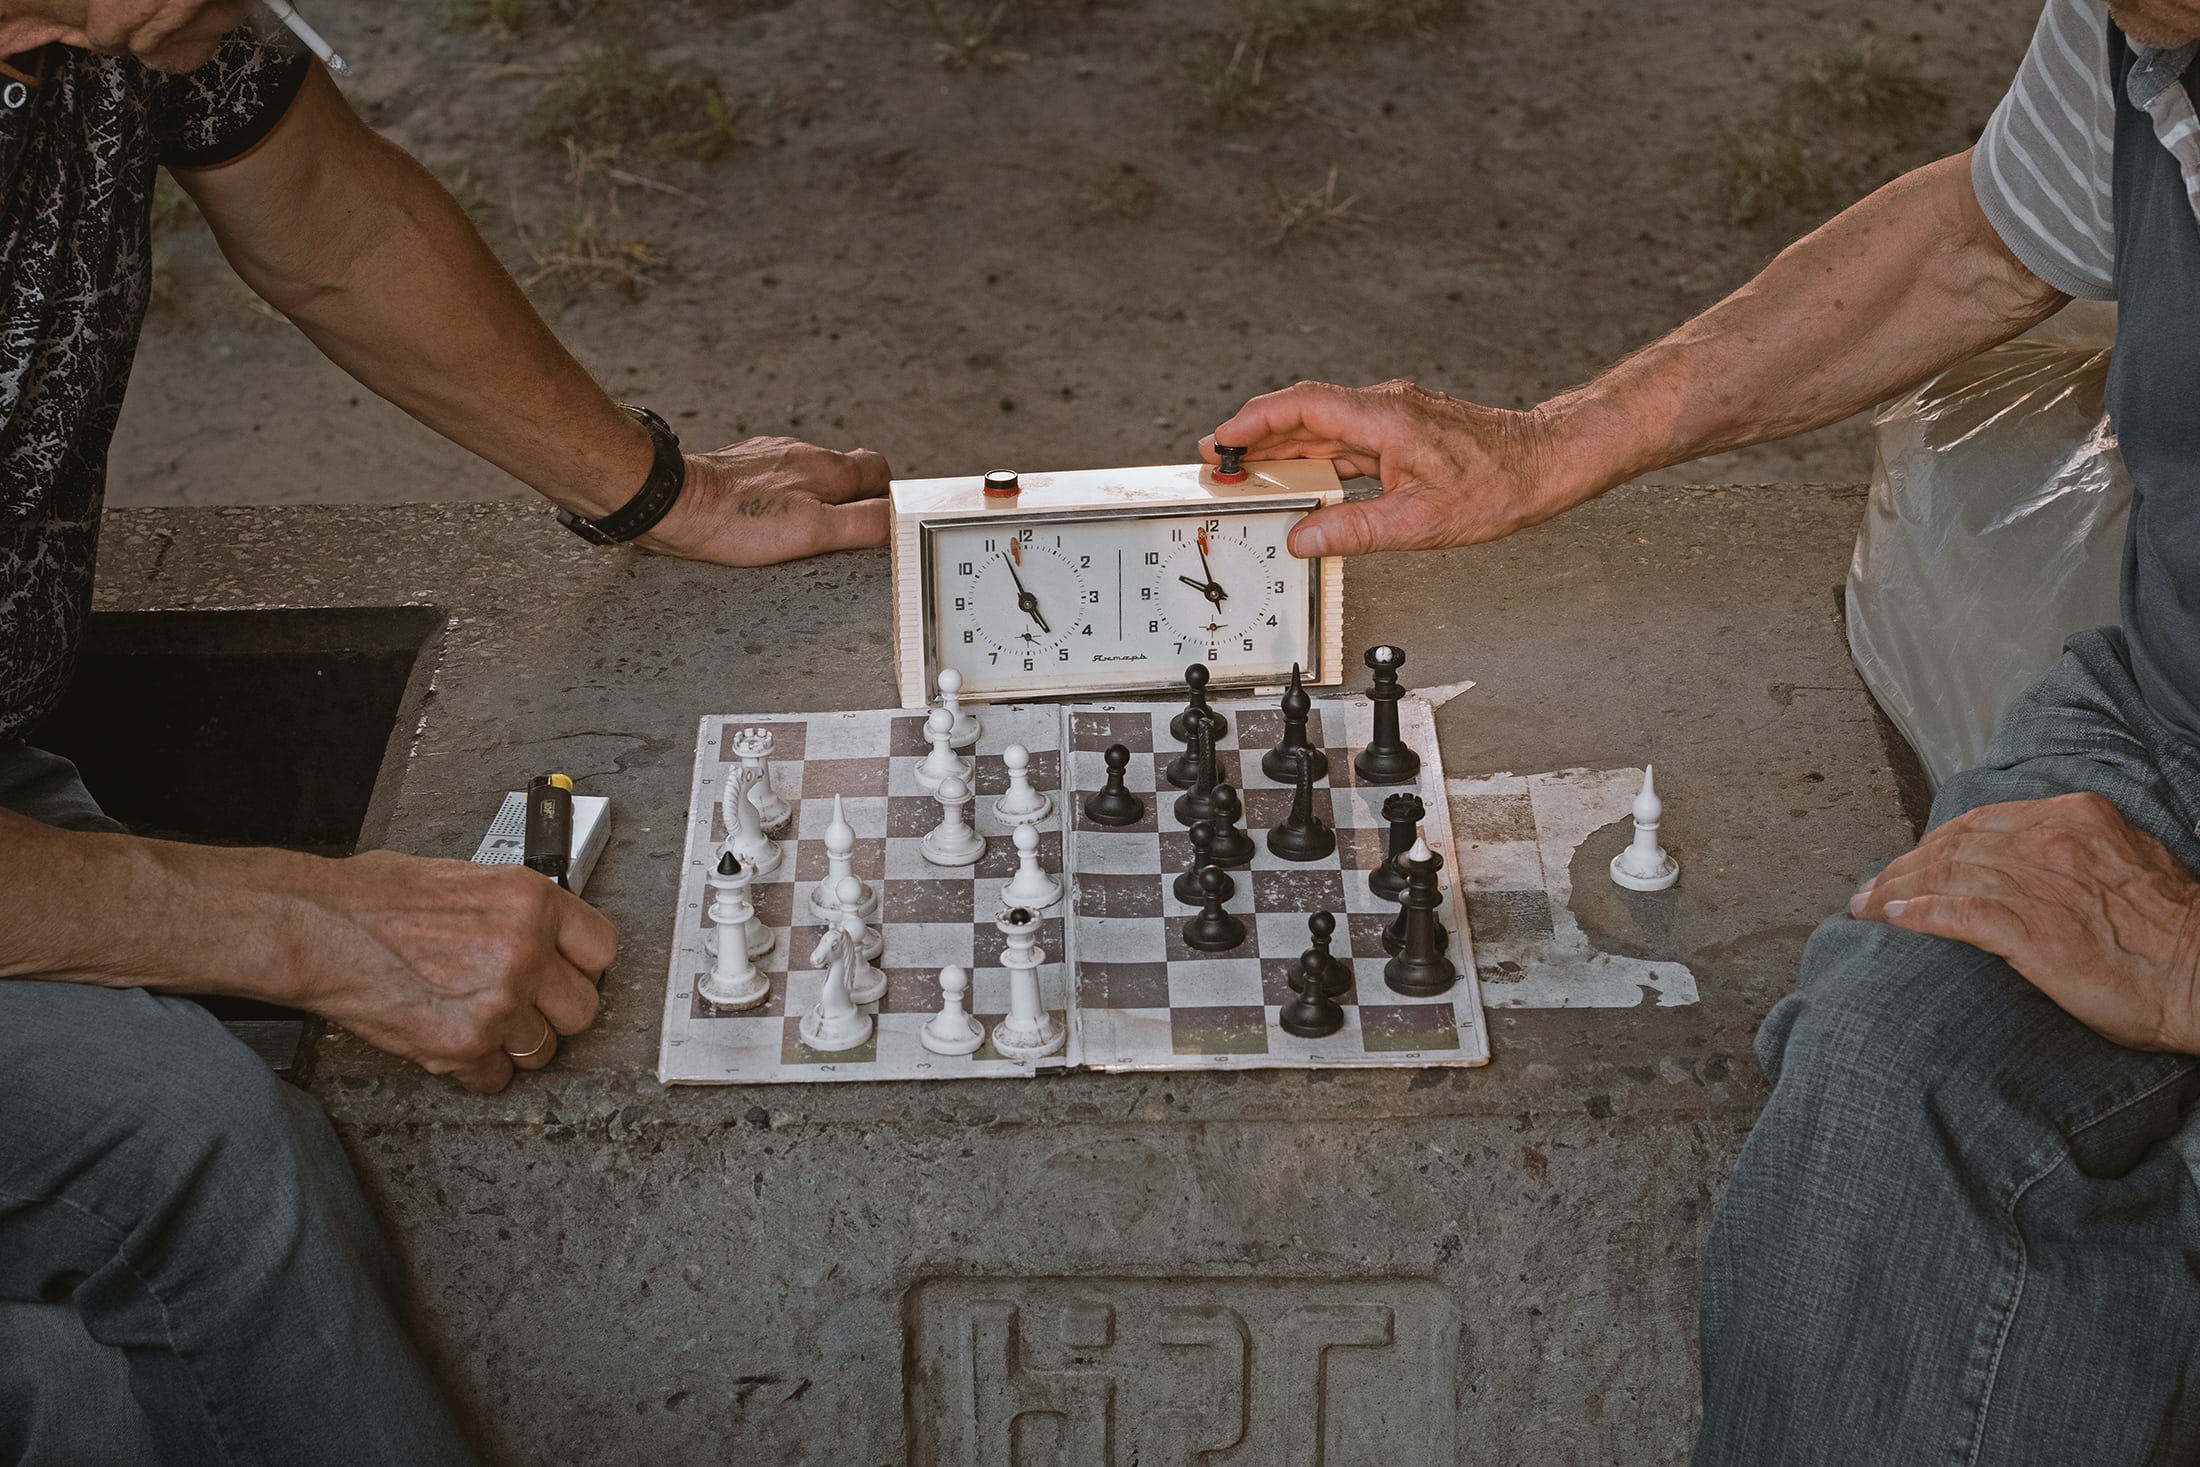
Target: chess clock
<point>1113,580</point>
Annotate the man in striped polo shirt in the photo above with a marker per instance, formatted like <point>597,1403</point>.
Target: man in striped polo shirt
<point>1965,1228</point>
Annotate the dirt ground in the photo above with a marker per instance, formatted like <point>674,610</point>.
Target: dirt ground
<point>1061,233</point>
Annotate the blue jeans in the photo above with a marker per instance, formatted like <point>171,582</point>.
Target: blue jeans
<point>1966,1229</point>
<point>188,1272</point>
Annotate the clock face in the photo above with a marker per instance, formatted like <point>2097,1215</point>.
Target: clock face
<point>1118,600</point>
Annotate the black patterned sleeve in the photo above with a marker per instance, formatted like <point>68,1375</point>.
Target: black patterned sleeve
<point>222,110</point>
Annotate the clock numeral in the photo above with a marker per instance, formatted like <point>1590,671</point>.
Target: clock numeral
<point>1154,626</point>
<point>1173,535</point>
<point>1271,553</point>
<point>992,545</point>
<point>1279,588</point>
<point>1025,536</point>
<point>1271,621</point>
<point>1027,664</point>
<point>1248,644</point>
<point>1093,597</point>
<point>1145,593</point>
<point>1213,525</point>
<point>1063,654</point>
<point>962,567</point>
<point>1086,631</point>
<point>1153,557</point>
<point>961,604</point>
<point>970,637</point>
<point>1084,562</point>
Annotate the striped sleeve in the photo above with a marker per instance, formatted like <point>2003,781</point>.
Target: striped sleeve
<point>2042,169</point>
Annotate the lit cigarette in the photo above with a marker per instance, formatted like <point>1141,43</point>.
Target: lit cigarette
<point>310,37</point>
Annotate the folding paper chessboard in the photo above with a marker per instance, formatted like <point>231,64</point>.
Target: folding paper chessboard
<point>1119,977</point>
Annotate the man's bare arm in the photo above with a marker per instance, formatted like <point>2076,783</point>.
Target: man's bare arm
<point>348,236</point>
<point>1897,287</point>
<point>451,965</point>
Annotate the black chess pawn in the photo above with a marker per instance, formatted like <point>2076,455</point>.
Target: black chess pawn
<point>1386,759</point>
<point>1187,881</point>
<point>1195,679</point>
<point>1315,1012</point>
<point>1337,977</point>
<point>1212,930</point>
<point>1302,836</point>
<point>1197,802</point>
<point>1113,803</point>
<point>1405,813</point>
<point>1420,970</point>
<point>1281,763</point>
<point>1227,845</point>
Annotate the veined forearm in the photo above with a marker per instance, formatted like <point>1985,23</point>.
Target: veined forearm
<point>347,235</point>
<point>129,913</point>
<point>1903,284</point>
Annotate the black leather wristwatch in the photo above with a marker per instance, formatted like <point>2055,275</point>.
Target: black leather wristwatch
<point>659,492</point>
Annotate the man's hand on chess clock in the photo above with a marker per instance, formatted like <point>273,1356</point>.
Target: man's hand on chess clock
<point>771,499</point>
<point>1453,472</point>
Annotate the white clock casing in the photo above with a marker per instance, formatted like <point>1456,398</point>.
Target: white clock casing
<point>1113,580</point>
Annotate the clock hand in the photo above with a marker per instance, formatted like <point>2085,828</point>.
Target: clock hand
<point>1213,589</point>
<point>1027,603</point>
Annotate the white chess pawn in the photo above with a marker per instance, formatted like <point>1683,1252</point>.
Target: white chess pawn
<point>744,826</point>
<point>752,746</point>
<point>734,982</point>
<point>1031,886</point>
<point>1020,804</point>
<point>866,983</point>
<point>965,728</point>
<point>834,1022</point>
<point>952,842</point>
<point>1644,865</point>
<point>943,762</point>
<point>952,1030</point>
<point>840,845</point>
<point>1028,1031</point>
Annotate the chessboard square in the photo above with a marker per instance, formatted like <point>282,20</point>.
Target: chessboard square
<point>700,1008</point>
<point>1391,1028</point>
<point>1122,985</point>
<point>912,816</point>
<point>1239,1029</point>
<point>988,942</point>
<point>867,857</point>
<point>1366,929</point>
<point>1213,980</point>
<point>936,944</point>
<point>1119,940</point>
<point>945,899</point>
<point>1360,807</point>
<point>1045,771</point>
<point>1259,729</point>
<point>905,735</point>
<point>1118,896</point>
<point>1174,849</point>
<point>774,904</point>
<point>1298,889</point>
<point>1493,817</point>
<point>1120,852</point>
<point>905,862</point>
<point>1275,982</point>
<point>1001,856</point>
<point>1265,809</point>
<point>846,735</point>
<point>912,991</point>
<point>824,778</point>
<point>792,1051</point>
<point>1509,915</point>
<point>1284,934</point>
<point>789,740</point>
<point>1094,731</point>
<point>1362,849</point>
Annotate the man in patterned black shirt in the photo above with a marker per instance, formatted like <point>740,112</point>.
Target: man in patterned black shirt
<point>187,1270</point>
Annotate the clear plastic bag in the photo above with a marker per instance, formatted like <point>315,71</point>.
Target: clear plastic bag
<point>1995,529</point>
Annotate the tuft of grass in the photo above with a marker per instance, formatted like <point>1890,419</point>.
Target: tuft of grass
<point>1122,193</point>
<point>592,244</point>
<point>615,98</point>
<point>1771,172</point>
<point>1231,68</point>
<point>1303,213</point>
<point>1865,87</point>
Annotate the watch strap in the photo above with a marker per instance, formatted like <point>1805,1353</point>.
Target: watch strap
<point>652,502</point>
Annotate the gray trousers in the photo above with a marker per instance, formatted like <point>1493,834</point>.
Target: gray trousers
<point>188,1272</point>
<point>1965,1229</point>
